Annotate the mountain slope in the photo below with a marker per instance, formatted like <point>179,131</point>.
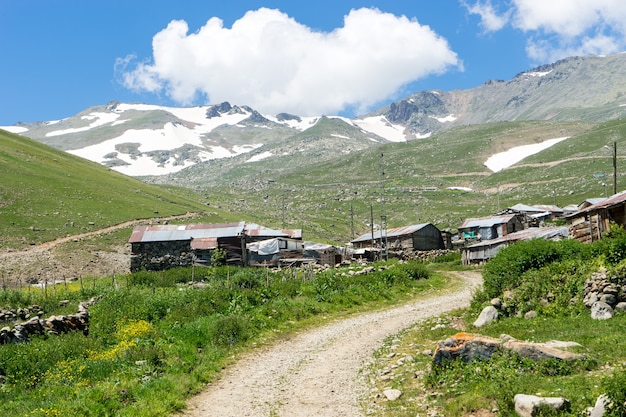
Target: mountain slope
<point>46,193</point>
<point>148,140</point>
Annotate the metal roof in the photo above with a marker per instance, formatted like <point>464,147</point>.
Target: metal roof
<point>486,221</point>
<point>394,232</point>
<point>204,243</point>
<point>253,229</point>
<point>526,234</point>
<point>168,233</point>
<point>614,200</point>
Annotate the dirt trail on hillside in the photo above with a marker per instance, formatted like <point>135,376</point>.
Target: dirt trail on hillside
<point>318,372</point>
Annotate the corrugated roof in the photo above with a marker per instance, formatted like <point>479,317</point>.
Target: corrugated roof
<point>614,200</point>
<point>394,232</point>
<point>486,221</point>
<point>526,234</point>
<point>168,233</point>
<point>204,243</point>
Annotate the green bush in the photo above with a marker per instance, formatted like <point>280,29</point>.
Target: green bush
<point>615,390</point>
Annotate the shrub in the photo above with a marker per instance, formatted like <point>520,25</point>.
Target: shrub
<point>615,390</point>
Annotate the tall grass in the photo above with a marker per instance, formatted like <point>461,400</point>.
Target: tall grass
<point>156,337</point>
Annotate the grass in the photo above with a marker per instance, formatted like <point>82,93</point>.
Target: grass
<point>46,194</point>
<point>153,340</point>
<point>547,277</point>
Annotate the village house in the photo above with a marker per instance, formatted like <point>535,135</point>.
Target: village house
<point>592,222</point>
<point>419,237</point>
<point>480,252</point>
<point>490,227</point>
<point>161,247</point>
<point>282,251</point>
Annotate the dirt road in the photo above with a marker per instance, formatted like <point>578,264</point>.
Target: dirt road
<point>317,372</point>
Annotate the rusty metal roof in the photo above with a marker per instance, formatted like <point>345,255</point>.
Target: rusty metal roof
<point>204,243</point>
<point>614,200</point>
<point>172,232</point>
<point>486,221</point>
<point>394,232</point>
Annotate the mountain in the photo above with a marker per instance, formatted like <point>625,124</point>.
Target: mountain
<point>148,140</point>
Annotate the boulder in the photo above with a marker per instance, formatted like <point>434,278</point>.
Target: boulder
<point>527,405</point>
<point>488,315</point>
<point>601,311</point>
<point>468,347</point>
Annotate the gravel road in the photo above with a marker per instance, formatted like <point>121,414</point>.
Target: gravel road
<point>317,372</point>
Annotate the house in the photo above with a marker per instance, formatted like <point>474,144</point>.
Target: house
<point>481,252</point>
<point>535,214</point>
<point>162,247</point>
<point>491,227</point>
<point>419,237</point>
<point>282,251</point>
<point>590,223</point>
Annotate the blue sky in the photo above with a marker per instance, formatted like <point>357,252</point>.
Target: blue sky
<point>308,58</point>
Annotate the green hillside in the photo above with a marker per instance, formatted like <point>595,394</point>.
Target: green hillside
<point>46,194</point>
<point>331,200</point>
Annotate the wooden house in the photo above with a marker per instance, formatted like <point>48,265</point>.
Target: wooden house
<point>160,247</point>
<point>419,237</point>
<point>491,227</point>
<point>480,252</point>
<point>593,221</point>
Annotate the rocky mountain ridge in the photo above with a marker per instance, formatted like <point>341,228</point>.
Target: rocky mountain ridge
<point>150,140</point>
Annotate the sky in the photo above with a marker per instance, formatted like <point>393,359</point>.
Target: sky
<point>341,57</point>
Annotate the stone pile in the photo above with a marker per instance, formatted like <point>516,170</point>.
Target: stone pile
<point>20,313</point>
<point>604,295</point>
<point>53,325</point>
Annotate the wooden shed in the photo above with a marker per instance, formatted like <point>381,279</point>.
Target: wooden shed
<point>590,224</point>
<point>420,237</point>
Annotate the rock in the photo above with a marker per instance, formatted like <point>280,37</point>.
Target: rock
<point>610,299</point>
<point>488,315</point>
<point>526,405</point>
<point>601,311</point>
<point>620,306</point>
<point>530,314</point>
<point>600,407</point>
<point>496,302</point>
<point>468,347</point>
<point>392,394</point>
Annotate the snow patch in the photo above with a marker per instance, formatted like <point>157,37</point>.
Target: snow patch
<point>459,189</point>
<point>379,125</point>
<point>261,156</point>
<point>339,136</point>
<point>503,160</point>
<point>538,73</point>
<point>14,129</point>
<point>100,120</point>
<point>448,118</point>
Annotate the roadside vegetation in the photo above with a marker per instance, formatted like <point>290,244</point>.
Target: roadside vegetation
<point>156,338</point>
<point>548,278</point>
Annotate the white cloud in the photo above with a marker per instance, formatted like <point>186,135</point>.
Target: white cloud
<point>271,62</point>
<point>559,28</point>
<point>490,19</point>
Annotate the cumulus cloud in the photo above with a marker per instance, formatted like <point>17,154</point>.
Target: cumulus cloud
<point>560,28</point>
<point>491,20</point>
<point>273,63</point>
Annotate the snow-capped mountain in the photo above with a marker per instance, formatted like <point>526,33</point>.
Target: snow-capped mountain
<point>146,140</point>
<point>150,140</point>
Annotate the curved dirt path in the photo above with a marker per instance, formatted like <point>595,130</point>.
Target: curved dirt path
<point>317,372</point>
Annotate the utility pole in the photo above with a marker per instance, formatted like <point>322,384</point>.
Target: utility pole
<point>614,167</point>
<point>283,209</point>
<point>383,215</point>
